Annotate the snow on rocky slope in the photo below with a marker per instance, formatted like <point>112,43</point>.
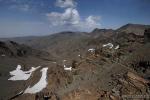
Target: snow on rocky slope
<point>40,85</point>
<point>19,74</point>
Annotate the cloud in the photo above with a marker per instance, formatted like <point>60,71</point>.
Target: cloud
<point>66,3</point>
<point>92,21</point>
<point>70,19</point>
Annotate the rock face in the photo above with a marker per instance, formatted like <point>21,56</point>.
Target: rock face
<point>131,84</point>
<point>147,35</point>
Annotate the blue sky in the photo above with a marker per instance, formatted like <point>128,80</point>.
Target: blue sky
<point>42,17</point>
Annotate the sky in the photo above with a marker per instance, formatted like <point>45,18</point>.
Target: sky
<point>43,17</point>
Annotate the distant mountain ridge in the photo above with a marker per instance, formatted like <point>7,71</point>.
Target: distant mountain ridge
<point>13,49</point>
<point>101,64</point>
<point>69,43</point>
<point>137,29</point>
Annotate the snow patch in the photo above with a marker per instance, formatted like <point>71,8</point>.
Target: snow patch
<point>68,68</point>
<point>64,66</point>
<point>110,45</point>
<point>64,60</point>
<point>3,55</point>
<point>18,74</point>
<point>91,50</point>
<point>117,47</point>
<point>40,85</point>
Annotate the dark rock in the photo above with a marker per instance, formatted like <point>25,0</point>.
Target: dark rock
<point>147,35</point>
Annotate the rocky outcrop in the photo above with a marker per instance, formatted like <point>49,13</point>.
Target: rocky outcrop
<point>147,35</point>
<point>130,86</point>
<point>127,87</point>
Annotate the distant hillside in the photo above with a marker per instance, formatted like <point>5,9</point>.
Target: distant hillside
<point>102,32</point>
<point>25,39</point>
<point>137,29</point>
<point>13,49</point>
<point>69,43</point>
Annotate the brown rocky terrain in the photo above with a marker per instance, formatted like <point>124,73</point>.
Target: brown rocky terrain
<point>98,72</point>
<point>138,29</point>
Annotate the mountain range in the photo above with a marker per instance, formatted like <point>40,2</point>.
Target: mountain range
<point>105,64</point>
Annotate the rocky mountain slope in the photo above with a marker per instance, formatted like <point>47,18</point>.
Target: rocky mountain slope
<point>13,49</point>
<point>68,43</point>
<point>12,54</point>
<point>102,65</point>
<point>138,29</point>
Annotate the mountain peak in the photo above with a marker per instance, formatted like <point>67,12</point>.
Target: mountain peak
<point>100,30</point>
<point>137,29</point>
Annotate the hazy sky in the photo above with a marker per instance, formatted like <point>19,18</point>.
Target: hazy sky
<point>42,17</point>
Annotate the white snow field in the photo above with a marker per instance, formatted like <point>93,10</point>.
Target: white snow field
<point>40,85</point>
<point>18,74</point>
